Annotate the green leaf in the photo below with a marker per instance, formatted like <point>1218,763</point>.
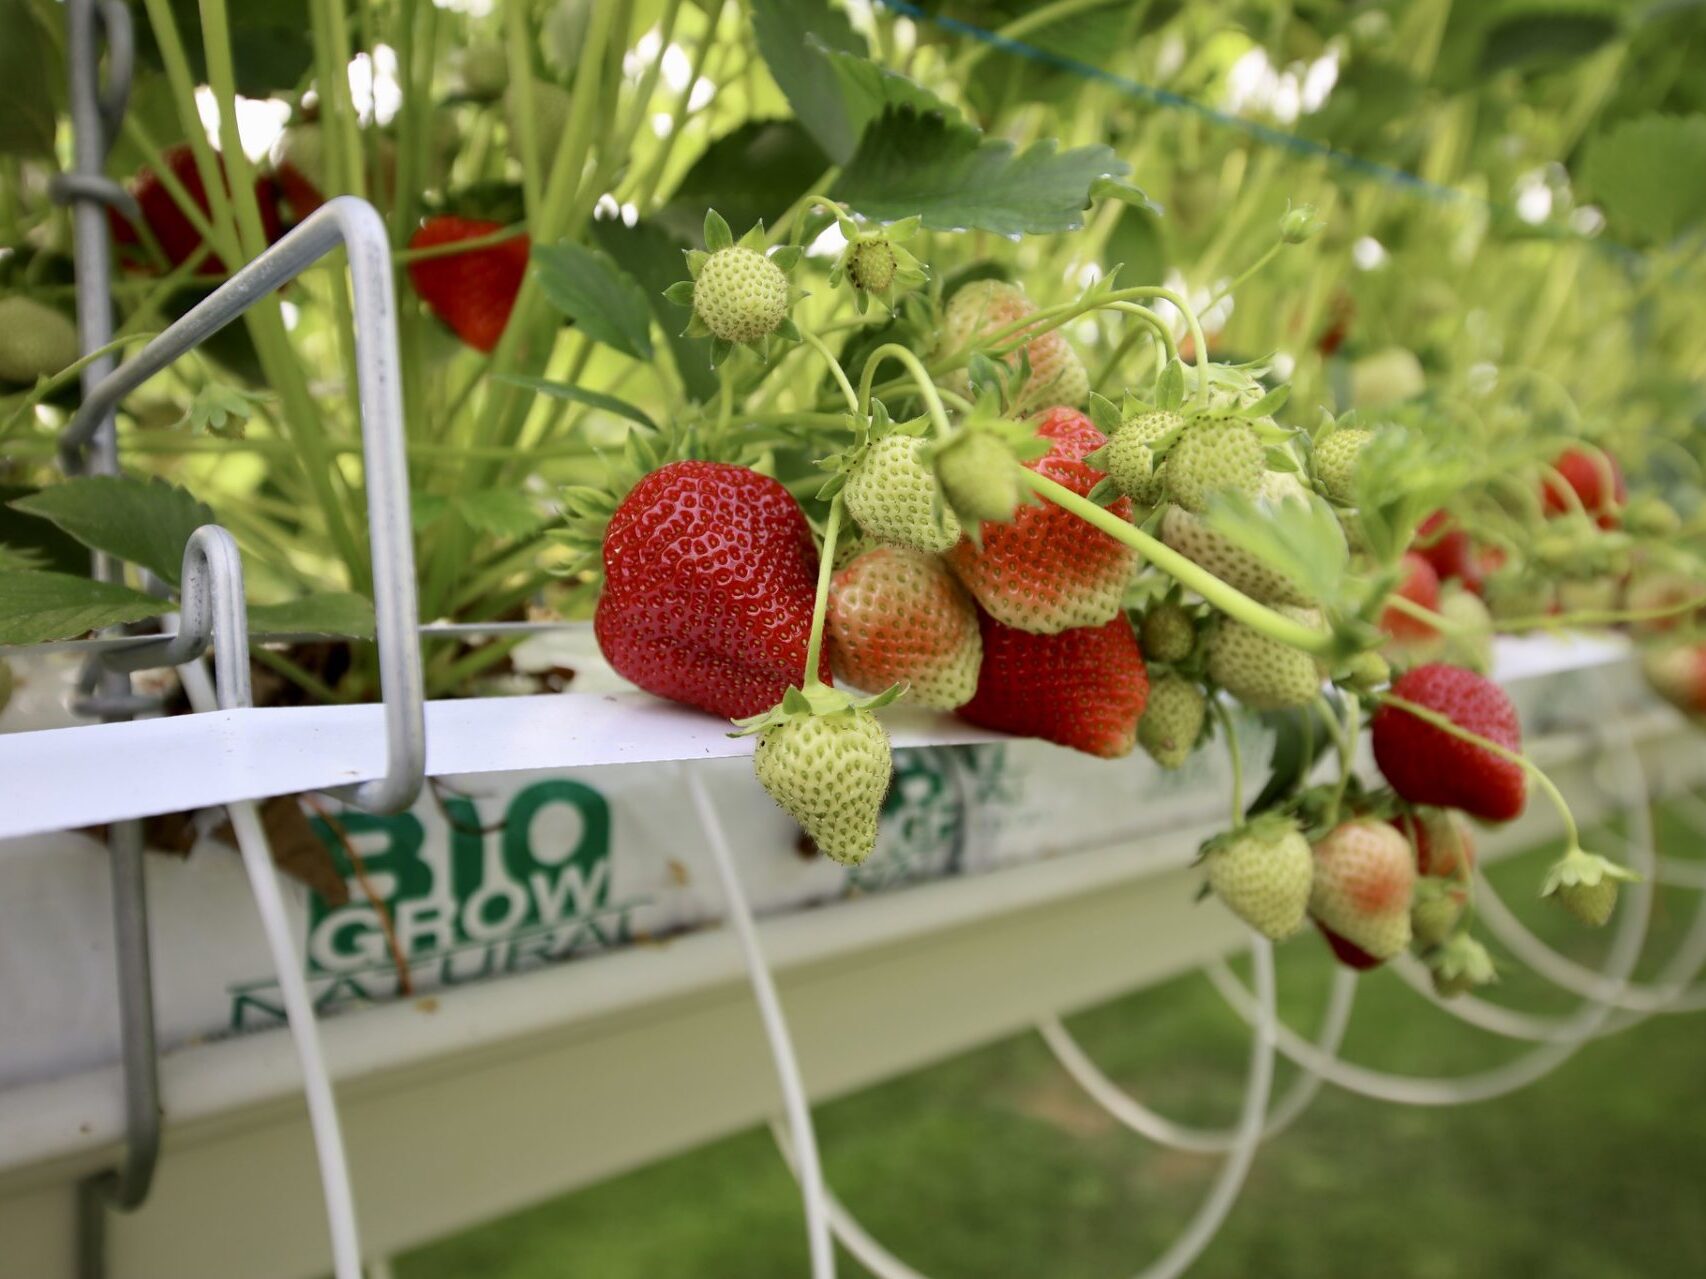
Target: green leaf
<point>146,522</point>
<point>580,395</point>
<point>271,43</point>
<point>1548,35</point>
<point>652,255</point>
<point>752,174</point>
<point>911,164</point>
<point>604,300</point>
<point>1301,540</point>
<point>335,613</point>
<point>30,83</point>
<point>793,36</point>
<point>1301,737</point>
<point>1125,192</point>
<point>38,607</point>
<point>869,90</point>
<point>500,512</point>
<point>1650,175</point>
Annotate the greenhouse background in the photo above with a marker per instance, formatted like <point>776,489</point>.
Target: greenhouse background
<point>808,637</point>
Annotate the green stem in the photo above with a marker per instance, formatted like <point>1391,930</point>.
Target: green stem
<point>1599,617</point>
<point>402,257</point>
<point>1230,730</point>
<point>1249,272</point>
<point>1344,740</point>
<point>1228,599</point>
<point>1155,325</point>
<point>1446,725</point>
<point>1444,625</point>
<point>310,683</point>
<point>920,376</point>
<point>48,386</point>
<point>835,369</point>
<point>820,605</point>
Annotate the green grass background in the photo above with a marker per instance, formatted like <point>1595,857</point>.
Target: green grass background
<point>993,1165</point>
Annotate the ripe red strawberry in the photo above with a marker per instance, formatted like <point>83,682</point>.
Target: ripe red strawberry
<point>1587,471</point>
<point>172,230</point>
<point>710,573</point>
<point>1346,952</point>
<point>472,292</point>
<point>1048,570</point>
<point>897,616</point>
<point>1442,542</point>
<point>1360,896</point>
<point>1420,585</point>
<point>1444,845</point>
<point>1427,765</point>
<point>1084,688</point>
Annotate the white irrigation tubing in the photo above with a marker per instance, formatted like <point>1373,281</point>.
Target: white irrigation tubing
<point>1210,1215</point>
<point>1606,1003</point>
<point>298,1008</point>
<point>1202,1141</point>
<point>810,1176</point>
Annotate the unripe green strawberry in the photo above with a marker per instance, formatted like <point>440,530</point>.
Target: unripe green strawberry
<point>1219,453</point>
<point>1585,884</point>
<point>740,295</point>
<point>898,616</point>
<point>1435,909</point>
<point>1172,720</point>
<point>1365,873</point>
<point>830,774</point>
<point>984,307</point>
<point>1336,463</point>
<point>1459,966</point>
<point>871,265</point>
<point>1169,634</point>
<point>35,340</point>
<point>1367,671</point>
<point>1473,648</point>
<point>1260,672</point>
<point>1263,873</point>
<point>1140,478</point>
<point>1191,536</point>
<point>1129,464</point>
<point>979,477</point>
<point>892,494</point>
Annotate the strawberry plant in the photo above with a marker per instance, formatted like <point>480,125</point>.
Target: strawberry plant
<point>1078,368</point>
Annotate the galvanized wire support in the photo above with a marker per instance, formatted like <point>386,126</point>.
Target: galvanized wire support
<point>357,226</point>
<point>96,112</point>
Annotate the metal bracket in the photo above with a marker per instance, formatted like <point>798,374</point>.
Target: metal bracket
<point>96,114</point>
<point>356,225</point>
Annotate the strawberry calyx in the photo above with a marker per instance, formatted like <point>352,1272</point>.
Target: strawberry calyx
<point>814,699</point>
<point>1459,965</point>
<point>873,261</point>
<point>1265,828</point>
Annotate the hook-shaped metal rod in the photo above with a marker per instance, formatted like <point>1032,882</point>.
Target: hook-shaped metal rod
<point>210,610</point>
<point>356,225</point>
